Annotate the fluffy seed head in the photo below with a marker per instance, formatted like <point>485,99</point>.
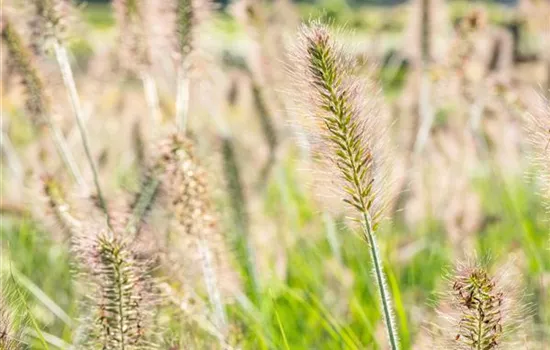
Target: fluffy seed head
<point>481,322</point>
<point>184,191</point>
<point>133,39</point>
<point>342,107</point>
<point>50,21</point>
<point>188,17</point>
<point>121,292</point>
<point>484,310</point>
<point>21,60</point>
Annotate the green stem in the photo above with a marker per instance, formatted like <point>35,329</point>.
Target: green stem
<point>68,79</point>
<point>66,155</point>
<point>240,216</point>
<point>381,282</point>
<point>326,67</point>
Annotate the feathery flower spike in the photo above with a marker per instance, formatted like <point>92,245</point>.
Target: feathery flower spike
<point>352,139</point>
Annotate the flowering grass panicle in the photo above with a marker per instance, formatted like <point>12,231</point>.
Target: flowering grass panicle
<point>351,136</point>
<point>21,60</point>
<point>189,16</point>
<point>49,23</point>
<point>485,310</point>
<point>352,140</point>
<point>37,103</point>
<point>120,291</point>
<point>185,182</point>
<point>133,42</point>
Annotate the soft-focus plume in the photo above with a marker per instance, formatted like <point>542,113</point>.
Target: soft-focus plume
<point>482,310</point>
<point>133,19</point>
<point>37,103</point>
<point>351,139</point>
<point>349,135</point>
<point>50,22</point>
<point>119,291</point>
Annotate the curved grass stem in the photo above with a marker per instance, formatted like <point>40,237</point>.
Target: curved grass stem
<point>66,155</point>
<point>68,79</point>
<point>381,283</point>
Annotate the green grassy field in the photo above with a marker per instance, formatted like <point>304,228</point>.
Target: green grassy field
<point>316,285</point>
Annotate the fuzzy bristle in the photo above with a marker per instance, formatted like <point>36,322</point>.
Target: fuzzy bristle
<point>183,188</point>
<point>481,310</point>
<point>338,102</point>
<point>352,140</point>
<point>477,295</point>
<point>539,131</point>
<point>189,16</point>
<point>10,333</point>
<point>120,290</point>
<point>133,41</point>
<point>50,22</point>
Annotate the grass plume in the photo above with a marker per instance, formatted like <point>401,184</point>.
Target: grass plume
<point>351,138</point>
<point>120,289</point>
<point>188,17</point>
<point>484,310</point>
<point>36,103</point>
<point>194,238</point>
<point>50,22</point>
<point>132,40</point>
<point>59,206</point>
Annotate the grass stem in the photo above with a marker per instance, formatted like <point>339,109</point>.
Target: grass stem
<point>68,79</point>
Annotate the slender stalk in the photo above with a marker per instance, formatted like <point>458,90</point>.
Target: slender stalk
<point>66,155</point>
<point>332,236</point>
<point>381,281</point>
<point>424,99</point>
<point>37,102</point>
<point>353,142</point>
<point>182,100</point>
<point>151,97</point>
<point>68,79</point>
<point>239,204</point>
<point>426,113</point>
<point>11,157</point>
<point>211,283</point>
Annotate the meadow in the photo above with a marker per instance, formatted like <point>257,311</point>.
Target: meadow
<point>275,175</point>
